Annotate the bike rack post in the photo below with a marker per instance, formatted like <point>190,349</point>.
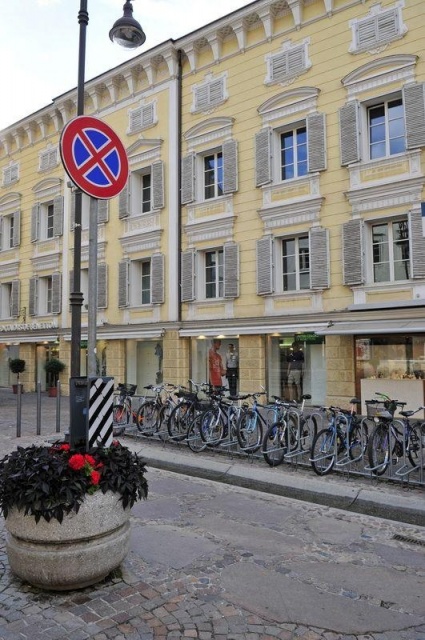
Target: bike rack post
<point>58,407</point>
<point>19,410</point>
<point>38,412</point>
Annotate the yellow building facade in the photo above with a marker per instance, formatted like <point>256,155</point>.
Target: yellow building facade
<point>273,203</point>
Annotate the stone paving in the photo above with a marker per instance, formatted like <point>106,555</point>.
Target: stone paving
<point>214,562</point>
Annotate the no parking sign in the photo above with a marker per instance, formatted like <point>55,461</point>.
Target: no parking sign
<point>94,157</point>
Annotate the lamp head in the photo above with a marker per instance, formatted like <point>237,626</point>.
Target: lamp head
<point>126,31</point>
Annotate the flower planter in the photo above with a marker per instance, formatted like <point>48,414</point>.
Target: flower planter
<point>76,553</point>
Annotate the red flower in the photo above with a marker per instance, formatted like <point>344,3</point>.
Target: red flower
<point>90,460</point>
<point>77,461</point>
<point>64,447</point>
<point>95,477</point>
<point>99,465</point>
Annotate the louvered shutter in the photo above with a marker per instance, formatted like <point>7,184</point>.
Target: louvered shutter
<point>123,272</point>
<point>414,108</point>
<point>316,139</point>
<point>33,296</point>
<point>188,179</point>
<point>366,33</point>
<point>102,211</point>
<point>387,26</point>
<point>230,166</point>
<point>58,216</point>
<point>279,66</point>
<point>417,245</point>
<point>16,228</point>
<point>201,97</point>
<point>188,275</point>
<point>15,298</point>
<point>157,270</point>
<point>349,133</point>
<point>56,292</point>
<point>158,185</point>
<point>231,270</point>
<point>352,252</point>
<point>296,60</point>
<point>35,222</point>
<point>319,258</point>
<point>102,286</point>
<point>124,202</point>
<point>215,92</point>
<point>263,157</point>
<point>265,266</point>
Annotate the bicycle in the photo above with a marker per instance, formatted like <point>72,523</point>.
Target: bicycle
<point>346,432</point>
<point>186,409</point>
<point>393,439</point>
<point>122,408</point>
<point>155,411</point>
<point>291,435</point>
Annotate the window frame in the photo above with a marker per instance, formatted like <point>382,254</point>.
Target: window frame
<point>217,172</point>
<point>278,134</point>
<point>370,264</point>
<point>217,282</point>
<point>367,141</point>
<point>298,271</point>
<point>138,291</point>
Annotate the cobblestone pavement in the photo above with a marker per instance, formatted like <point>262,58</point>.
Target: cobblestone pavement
<point>218,562</point>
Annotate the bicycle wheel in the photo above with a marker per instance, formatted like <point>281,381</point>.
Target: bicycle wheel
<point>179,420</point>
<point>357,444</point>
<point>211,427</point>
<point>416,446</point>
<point>147,418</point>
<point>250,432</point>
<point>274,444</point>
<point>194,438</point>
<point>120,414</point>
<point>308,432</point>
<point>323,452</point>
<point>378,449</point>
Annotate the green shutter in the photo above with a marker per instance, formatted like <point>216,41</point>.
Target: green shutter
<point>32,310</point>
<point>265,266</point>
<point>352,252</point>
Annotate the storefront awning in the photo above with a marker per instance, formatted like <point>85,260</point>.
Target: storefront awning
<point>373,326</point>
<point>252,330</point>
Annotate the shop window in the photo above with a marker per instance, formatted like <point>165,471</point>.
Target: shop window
<point>141,282</point>
<point>10,230</point>
<point>391,357</point>
<point>47,219</point>
<point>144,193</point>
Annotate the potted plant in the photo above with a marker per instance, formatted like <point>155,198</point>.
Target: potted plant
<point>67,512</point>
<point>16,365</point>
<point>53,368</point>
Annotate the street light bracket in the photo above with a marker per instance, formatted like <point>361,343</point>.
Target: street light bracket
<point>126,31</point>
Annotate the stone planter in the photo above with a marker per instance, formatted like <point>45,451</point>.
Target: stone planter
<point>81,551</point>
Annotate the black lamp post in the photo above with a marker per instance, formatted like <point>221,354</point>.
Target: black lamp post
<point>128,33</point>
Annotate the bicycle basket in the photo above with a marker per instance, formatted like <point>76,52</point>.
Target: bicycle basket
<point>129,389</point>
<point>375,407</point>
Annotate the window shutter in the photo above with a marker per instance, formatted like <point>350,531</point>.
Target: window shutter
<point>123,269</point>
<point>158,185</point>
<point>263,159</point>
<point>417,245</point>
<point>124,202</point>
<point>102,286</point>
<point>201,98</point>
<point>352,252</point>
<point>15,298</point>
<point>56,292</point>
<point>279,67</point>
<point>16,228</point>
<point>157,269</point>
<point>58,216</point>
<point>216,93</point>
<point>349,133</point>
<point>366,33</point>
<point>188,275</point>
<point>316,139</point>
<point>230,166</point>
<point>35,221</point>
<point>33,296</point>
<point>414,108</point>
<point>265,266</point>
<point>296,60</point>
<point>188,179</point>
<point>387,26</point>
<point>102,211</point>
<point>231,270</point>
<point>135,119</point>
<point>319,258</point>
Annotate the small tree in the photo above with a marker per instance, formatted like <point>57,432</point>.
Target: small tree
<point>54,367</point>
<point>16,365</point>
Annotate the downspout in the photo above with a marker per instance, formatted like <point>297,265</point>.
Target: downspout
<point>179,181</point>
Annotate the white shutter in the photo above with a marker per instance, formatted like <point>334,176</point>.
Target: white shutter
<point>58,216</point>
<point>231,269</point>
<point>35,222</point>
<point>157,271</point>
<point>124,202</point>
<point>157,174</point>
<point>349,132</point>
<point>414,109</point>
<point>32,310</point>
<point>417,245</point>
<point>352,252</point>
<point>16,228</point>
<point>319,258</point>
<point>230,166</point>
<point>56,292</point>
<point>188,179</point>
<point>263,159</point>
<point>201,98</point>
<point>123,283</point>
<point>102,211</point>
<point>102,286</point>
<point>316,140</point>
<point>188,275</point>
<point>265,265</point>
<point>15,298</point>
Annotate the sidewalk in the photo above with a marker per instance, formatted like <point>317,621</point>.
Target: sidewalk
<point>352,493</point>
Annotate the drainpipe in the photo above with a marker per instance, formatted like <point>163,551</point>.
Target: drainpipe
<point>179,180</point>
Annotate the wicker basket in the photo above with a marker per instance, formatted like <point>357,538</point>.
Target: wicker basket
<point>375,407</point>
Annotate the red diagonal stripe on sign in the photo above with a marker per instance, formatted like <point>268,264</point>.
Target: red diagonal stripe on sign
<point>97,156</point>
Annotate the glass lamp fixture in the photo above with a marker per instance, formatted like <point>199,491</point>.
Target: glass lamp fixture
<point>126,31</point>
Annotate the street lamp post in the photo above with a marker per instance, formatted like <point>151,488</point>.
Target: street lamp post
<point>128,33</point>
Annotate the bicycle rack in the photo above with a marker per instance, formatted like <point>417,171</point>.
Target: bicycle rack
<point>301,424</point>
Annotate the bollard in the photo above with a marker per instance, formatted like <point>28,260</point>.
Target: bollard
<point>58,407</point>
<point>38,408</point>
<point>19,410</point>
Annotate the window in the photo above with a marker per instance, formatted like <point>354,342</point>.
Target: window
<point>295,264</point>
<point>45,295</point>
<point>390,251</point>
<point>142,117</point>
<point>6,310</point>
<point>141,282</point>
<point>386,129</point>
<point>293,153</point>
<point>10,174</point>
<point>292,61</point>
<point>209,94</point>
<point>381,26</point>
<point>145,192</point>
<point>214,274</point>
<point>47,220</point>
<point>48,159</point>
<point>9,231</point>
<point>213,175</point>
